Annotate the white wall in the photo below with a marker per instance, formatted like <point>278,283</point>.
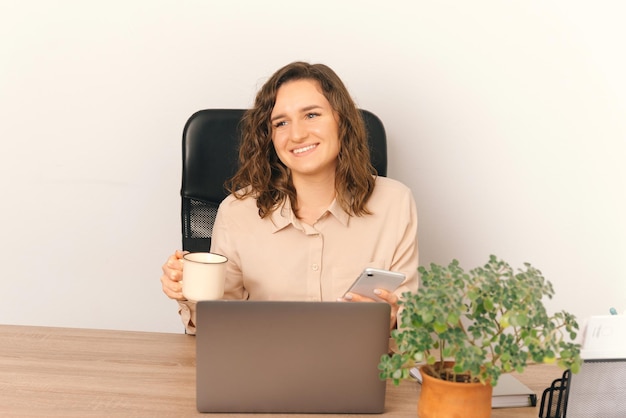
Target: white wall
<point>505,118</point>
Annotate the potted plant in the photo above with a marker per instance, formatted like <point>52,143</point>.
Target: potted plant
<point>467,328</point>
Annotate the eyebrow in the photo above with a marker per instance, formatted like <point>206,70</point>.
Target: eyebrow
<point>304,109</point>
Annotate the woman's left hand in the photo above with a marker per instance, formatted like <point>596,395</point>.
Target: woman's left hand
<point>389,297</point>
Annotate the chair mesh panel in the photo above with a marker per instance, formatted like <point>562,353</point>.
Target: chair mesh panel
<point>200,217</point>
<point>597,390</point>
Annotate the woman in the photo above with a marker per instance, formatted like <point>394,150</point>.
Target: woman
<point>307,212</point>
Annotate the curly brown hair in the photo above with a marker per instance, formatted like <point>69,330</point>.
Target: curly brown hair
<point>262,175</point>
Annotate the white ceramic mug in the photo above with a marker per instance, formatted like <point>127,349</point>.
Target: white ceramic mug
<point>203,276</point>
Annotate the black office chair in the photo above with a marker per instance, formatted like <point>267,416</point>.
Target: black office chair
<point>210,153</point>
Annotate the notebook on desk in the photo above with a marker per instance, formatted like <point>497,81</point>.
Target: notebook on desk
<point>508,393</point>
<point>290,357</point>
<point>511,393</point>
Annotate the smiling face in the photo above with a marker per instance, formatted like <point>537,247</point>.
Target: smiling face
<point>305,130</point>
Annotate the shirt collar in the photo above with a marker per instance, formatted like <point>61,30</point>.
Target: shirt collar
<point>284,216</point>
<point>337,211</point>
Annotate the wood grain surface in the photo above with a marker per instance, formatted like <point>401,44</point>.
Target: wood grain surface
<point>64,372</point>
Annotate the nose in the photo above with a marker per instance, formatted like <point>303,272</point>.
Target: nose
<point>298,131</point>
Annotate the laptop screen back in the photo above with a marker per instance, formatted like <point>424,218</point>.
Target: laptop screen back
<point>290,357</point>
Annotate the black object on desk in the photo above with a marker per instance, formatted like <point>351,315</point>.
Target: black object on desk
<point>554,398</point>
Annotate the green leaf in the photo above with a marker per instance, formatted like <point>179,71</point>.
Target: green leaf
<point>453,318</point>
<point>521,320</point>
<point>439,327</point>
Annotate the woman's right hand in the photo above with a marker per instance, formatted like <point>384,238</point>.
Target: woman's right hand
<point>172,276</point>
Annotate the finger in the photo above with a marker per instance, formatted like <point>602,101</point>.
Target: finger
<point>175,262</point>
<point>355,297</point>
<point>387,296</point>
<point>173,268</point>
<point>172,289</point>
<point>180,253</point>
<point>175,296</point>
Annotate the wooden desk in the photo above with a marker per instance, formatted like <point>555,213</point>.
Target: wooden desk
<point>59,372</point>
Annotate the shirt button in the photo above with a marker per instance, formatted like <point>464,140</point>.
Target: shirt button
<point>315,267</point>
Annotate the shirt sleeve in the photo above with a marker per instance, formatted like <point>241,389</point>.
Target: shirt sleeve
<point>187,312</point>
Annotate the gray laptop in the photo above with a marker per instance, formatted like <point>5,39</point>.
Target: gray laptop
<point>290,357</point>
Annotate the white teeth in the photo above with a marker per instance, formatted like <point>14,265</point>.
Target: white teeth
<point>301,150</point>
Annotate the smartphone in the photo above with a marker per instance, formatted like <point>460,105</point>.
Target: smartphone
<point>372,278</point>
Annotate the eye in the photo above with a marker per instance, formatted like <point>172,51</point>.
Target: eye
<point>312,115</point>
<point>279,124</point>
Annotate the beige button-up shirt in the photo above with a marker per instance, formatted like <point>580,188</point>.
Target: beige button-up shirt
<point>281,258</point>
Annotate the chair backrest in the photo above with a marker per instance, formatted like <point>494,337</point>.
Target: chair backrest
<point>210,154</point>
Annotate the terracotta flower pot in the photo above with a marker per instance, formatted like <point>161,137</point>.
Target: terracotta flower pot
<point>443,399</point>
